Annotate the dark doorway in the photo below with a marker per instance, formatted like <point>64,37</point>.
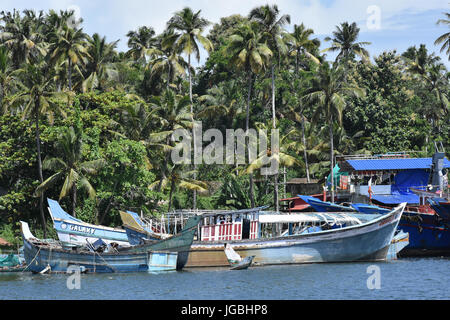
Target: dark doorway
<point>246,229</point>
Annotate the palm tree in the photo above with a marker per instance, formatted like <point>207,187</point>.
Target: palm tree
<point>6,77</point>
<point>220,107</point>
<point>141,43</point>
<point>419,60</point>
<point>250,54</point>
<point>36,97</point>
<point>178,177</point>
<point>100,66</point>
<point>167,59</point>
<point>301,44</point>
<point>327,93</point>
<point>68,46</point>
<point>299,117</point>
<point>272,155</point>
<point>190,25</point>
<point>434,74</point>
<point>268,17</point>
<point>55,21</point>
<point>445,38</point>
<point>344,40</point>
<point>172,113</point>
<point>437,80</point>
<point>70,167</point>
<point>23,36</point>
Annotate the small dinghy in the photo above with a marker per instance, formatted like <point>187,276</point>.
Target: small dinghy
<point>235,260</point>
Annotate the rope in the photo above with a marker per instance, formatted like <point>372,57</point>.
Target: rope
<point>32,260</point>
<point>103,261</point>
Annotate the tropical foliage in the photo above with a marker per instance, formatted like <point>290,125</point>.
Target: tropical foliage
<point>92,127</point>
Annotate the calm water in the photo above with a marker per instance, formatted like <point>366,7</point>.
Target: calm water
<point>412,278</point>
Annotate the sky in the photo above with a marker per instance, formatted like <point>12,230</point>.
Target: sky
<point>387,24</point>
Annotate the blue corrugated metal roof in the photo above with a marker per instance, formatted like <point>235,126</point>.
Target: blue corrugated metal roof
<point>394,164</point>
<point>397,198</point>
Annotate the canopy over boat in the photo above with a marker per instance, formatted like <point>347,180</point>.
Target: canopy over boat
<point>339,218</point>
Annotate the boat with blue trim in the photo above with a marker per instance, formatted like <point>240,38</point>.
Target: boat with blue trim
<point>375,184</point>
<point>45,256</point>
<point>99,256</point>
<point>274,238</point>
<point>74,232</point>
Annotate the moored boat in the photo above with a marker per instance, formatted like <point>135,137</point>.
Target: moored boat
<point>325,206</point>
<point>74,232</point>
<point>429,234</point>
<point>11,263</point>
<point>43,256</point>
<point>398,243</point>
<point>441,207</point>
<point>235,260</point>
<point>340,237</point>
<point>134,226</point>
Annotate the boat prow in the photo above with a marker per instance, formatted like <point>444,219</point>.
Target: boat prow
<point>243,264</point>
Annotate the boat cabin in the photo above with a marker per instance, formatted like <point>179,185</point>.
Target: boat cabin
<point>256,224</point>
<point>229,225</point>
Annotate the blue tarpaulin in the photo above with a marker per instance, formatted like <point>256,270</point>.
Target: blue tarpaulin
<point>401,188</point>
<point>405,180</point>
<point>397,198</point>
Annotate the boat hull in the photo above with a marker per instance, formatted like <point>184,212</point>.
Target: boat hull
<point>243,264</point>
<point>38,259</point>
<point>428,234</point>
<point>427,237</point>
<point>179,243</point>
<point>323,206</point>
<point>367,242</point>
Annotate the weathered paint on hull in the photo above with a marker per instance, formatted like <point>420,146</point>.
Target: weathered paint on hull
<point>73,233</point>
<point>60,260</point>
<point>180,243</point>
<point>426,240</point>
<point>369,243</point>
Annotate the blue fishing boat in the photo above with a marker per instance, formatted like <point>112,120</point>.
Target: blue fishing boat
<point>325,206</point>
<point>44,256</point>
<point>180,242</point>
<point>441,206</point>
<point>398,243</point>
<point>74,232</point>
<point>429,235</point>
<point>302,237</point>
<point>379,182</point>
<point>135,227</point>
<point>369,209</point>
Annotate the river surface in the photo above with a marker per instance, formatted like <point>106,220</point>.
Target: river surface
<point>403,279</point>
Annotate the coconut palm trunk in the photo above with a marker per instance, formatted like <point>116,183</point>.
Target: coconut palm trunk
<point>305,154</point>
<point>194,196</point>
<point>39,158</point>
<point>69,74</point>
<point>247,120</point>
<point>172,188</point>
<point>273,97</point>
<point>274,125</point>
<point>74,199</point>
<point>331,158</point>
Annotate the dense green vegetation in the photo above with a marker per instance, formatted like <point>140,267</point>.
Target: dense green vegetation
<point>90,126</point>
